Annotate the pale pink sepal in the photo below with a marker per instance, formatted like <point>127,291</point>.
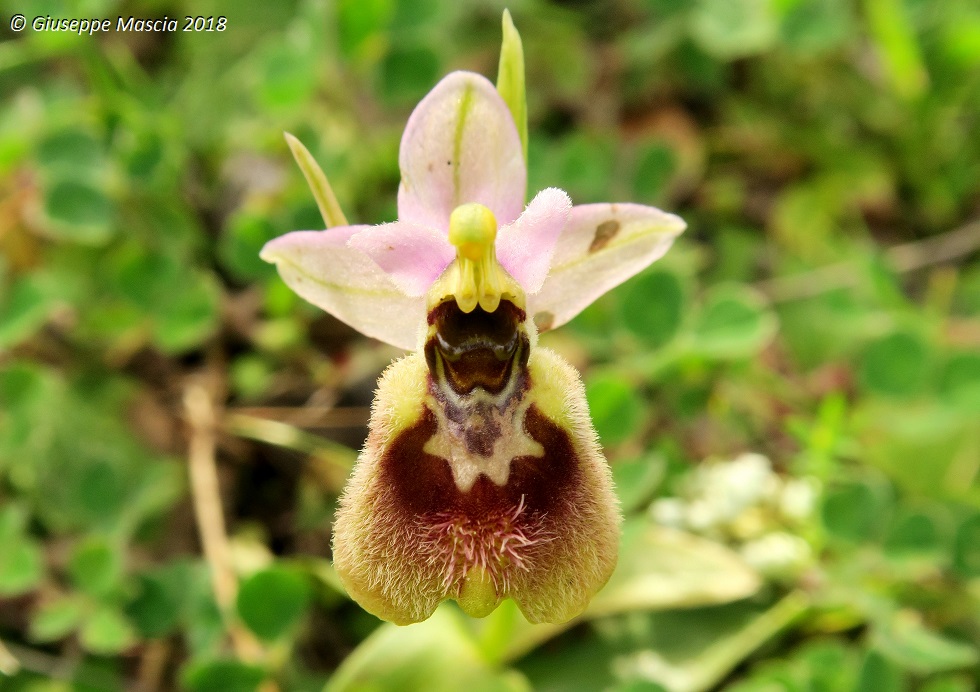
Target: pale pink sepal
<point>460,146</point>
<point>525,247</point>
<point>602,246</point>
<point>323,269</point>
<point>413,256</point>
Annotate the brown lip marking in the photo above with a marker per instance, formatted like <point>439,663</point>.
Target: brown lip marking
<point>543,320</point>
<point>480,440</point>
<point>604,233</point>
<point>422,483</point>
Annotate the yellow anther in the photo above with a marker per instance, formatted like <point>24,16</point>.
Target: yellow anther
<point>474,277</point>
<point>472,227</point>
<point>473,230</point>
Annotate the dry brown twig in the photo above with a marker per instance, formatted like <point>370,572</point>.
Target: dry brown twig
<point>205,491</point>
<point>902,258</point>
<point>9,665</point>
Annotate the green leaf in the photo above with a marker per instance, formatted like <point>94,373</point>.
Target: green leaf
<point>959,381</point>
<point>735,322</point>
<point>101,488</point>
<point>21,560</point>
<point>23,310</point>
<point>878,674</point>
<point>146,154</point>
<point>106,632</point>
<point>831,665</point>
<point>407,73</point>
<point>419,14</point>
<point>636,480</point>
<point>56,619</point>
<point>79,212</point>
<point>287,75</point>
<point>191,314</point>
<point>244,236</point>
<point>21,567</point>
<point>273,601</point>
<point>585,165</point>
<point>851,511</point>
<point>162,598</point>
<point>658,569</point>
<point>360,24</point>
<point>731,29</point>
<point>908,644</point>
<point>227,676</point>
<point>615,407</point>
<point>158,486</point>
<point>70,149</point>
<point>897,436</point>
<point>652,306</point>
<point>656,165</point>
<point>913,534</point>
<point>251,375</point>
<point>96,567</point>
<point>894,36</point>
<point>663,568</point>
<point>688,650</point>
<point>952,683</point>
<point>437,655</point>
<point>816,27</point>
<point>895,365</point>
<point>510,77</point>
<point>966,548</point>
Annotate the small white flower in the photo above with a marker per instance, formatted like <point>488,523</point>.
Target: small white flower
<point>797,500</point>
<point>669,511</point>
<point>778,555</point>
<point>701,515</point>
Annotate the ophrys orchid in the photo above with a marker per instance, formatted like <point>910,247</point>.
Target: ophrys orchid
<point>481,477</point>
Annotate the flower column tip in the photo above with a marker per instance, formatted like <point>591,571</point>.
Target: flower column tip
<point>473,231</point>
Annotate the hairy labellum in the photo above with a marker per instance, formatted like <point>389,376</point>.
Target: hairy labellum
<point>481,479</point>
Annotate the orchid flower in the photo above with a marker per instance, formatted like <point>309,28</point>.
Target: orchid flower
<point>481,477</point>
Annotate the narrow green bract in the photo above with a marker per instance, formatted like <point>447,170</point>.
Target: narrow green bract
<point>317,180</point>
<point>510,78</point>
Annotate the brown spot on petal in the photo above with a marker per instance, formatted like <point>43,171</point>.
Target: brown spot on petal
<point>604,233</point>
<point>543,320</point>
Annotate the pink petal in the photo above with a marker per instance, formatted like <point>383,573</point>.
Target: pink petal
<point>601,247</point>
<point>320,267</point>
<point>525,247</point>
<point>413,256</point>
<point>460,146</point>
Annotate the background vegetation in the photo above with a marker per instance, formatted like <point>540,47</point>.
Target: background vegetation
<point>822,314</point>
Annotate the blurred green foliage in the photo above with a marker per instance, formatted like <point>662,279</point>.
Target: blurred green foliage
<point>823,309</point>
